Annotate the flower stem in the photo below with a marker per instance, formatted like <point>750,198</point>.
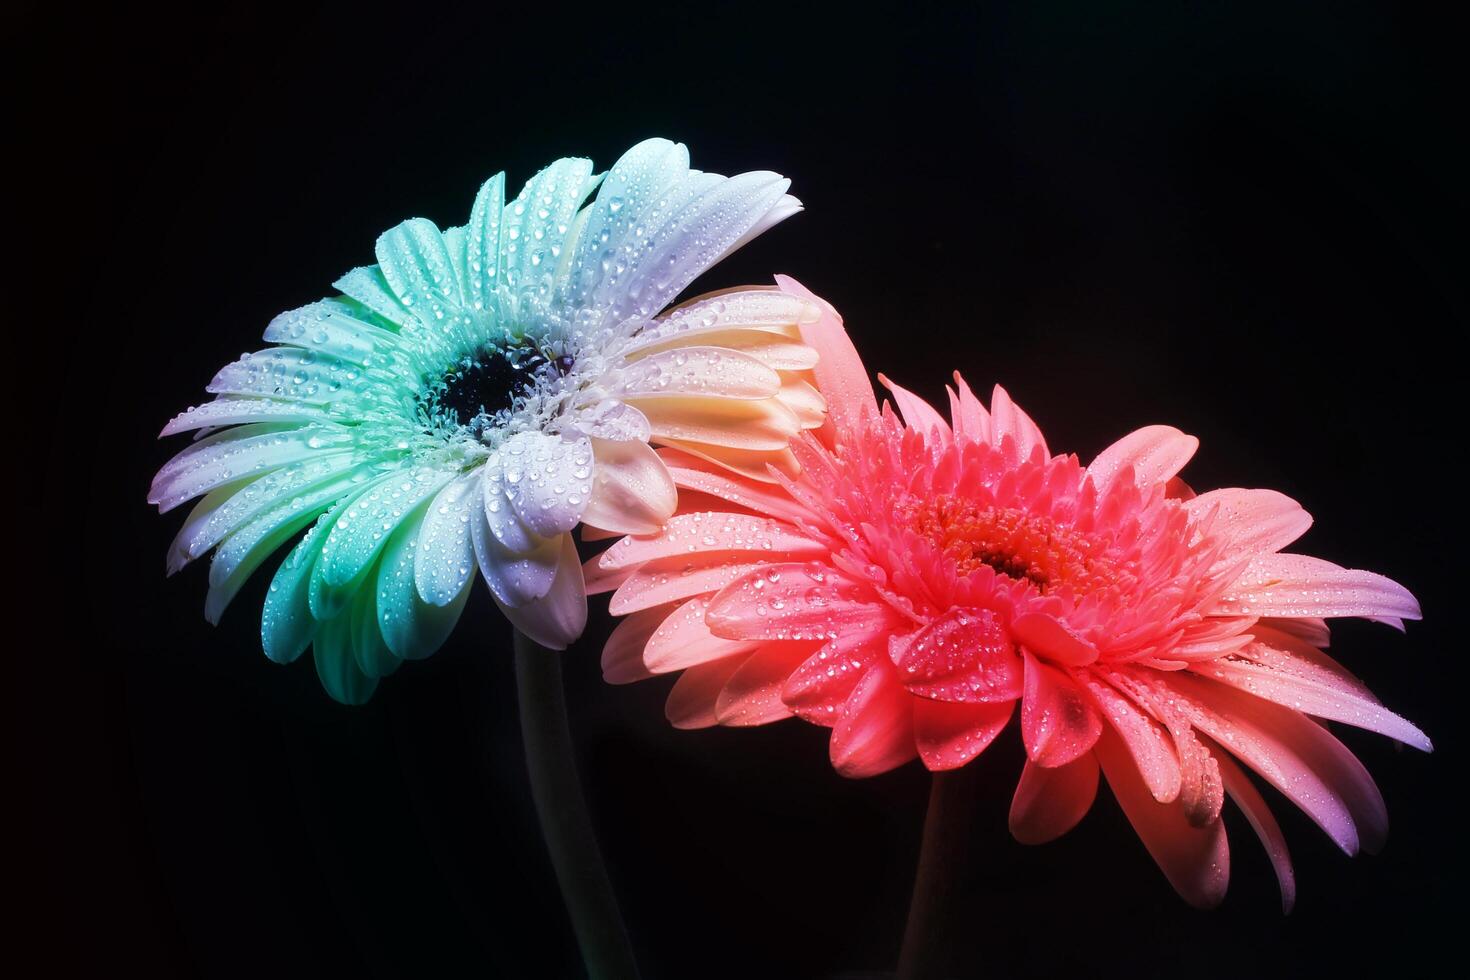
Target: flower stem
<point>926,936</point>
<point>565,822</point>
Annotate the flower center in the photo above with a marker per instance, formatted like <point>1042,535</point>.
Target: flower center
<point>1015,543</point>
<point>488,383</point>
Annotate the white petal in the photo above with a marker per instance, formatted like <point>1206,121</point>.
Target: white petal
<point>244,451</point>
<point>238,410</point>
<point>292,374</point>
<point>514,577</point>
<point>557,618</point>
<point>228,508</point>
<point>548,479</point>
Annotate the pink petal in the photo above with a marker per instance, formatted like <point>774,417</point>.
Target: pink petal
<point>1293,753</point>
<point>795,602</point>
<point>680,577</point>
<point>1196,860</point>
<point>1052,640</point>
<point>1299,585</point>
<point>949,735</point>
<point>1007,419</point>
<point>683,640</point>
<point>1147,742</point>
<point>1279,677</point>
<point>693,473</point>
<point>919,414</point>
<point>688,534</point>
<point>1255,521</point>
<point>596,579</point>
<point>692,699</point>
<point>622,655</point>
<point>752,695</point>
<point>1050,802</point>
<point>962,656</point>
<point>841,377</point>
<point>1156,453</point>
<point>1259,815</point>
<point>971,420</point>
<point>819,687</point>
<point>1058,720</point>
<point>875,729</point>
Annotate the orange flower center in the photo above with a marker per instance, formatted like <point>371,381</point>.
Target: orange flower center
<point>1017,544</point>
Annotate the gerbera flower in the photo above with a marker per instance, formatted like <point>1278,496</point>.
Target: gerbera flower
<point>468,400</point>
<point>920,579</point>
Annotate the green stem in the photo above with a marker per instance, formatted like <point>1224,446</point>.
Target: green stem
<point>947,824</point>
<point>565,822</point>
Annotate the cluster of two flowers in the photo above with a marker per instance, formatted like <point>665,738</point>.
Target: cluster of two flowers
<point>792,547</point>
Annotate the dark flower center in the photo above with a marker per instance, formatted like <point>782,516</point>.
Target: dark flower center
<point>488,383</point>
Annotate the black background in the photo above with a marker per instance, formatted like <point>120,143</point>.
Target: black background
<point>1246,223</point>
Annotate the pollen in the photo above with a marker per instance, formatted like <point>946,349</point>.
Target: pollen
<point>1015,543</point>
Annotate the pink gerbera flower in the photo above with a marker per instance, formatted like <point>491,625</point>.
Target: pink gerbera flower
<point>922,579</point>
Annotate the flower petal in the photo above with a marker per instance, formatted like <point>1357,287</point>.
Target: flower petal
<point>1052,640</point>
<point>1259,816</point>
<point>632,491</point>
<point>1196,860</point>
<point>819,686</point>
<point>1154,453</point>
<point>1050,801</point>
<point>841,376</point>
<point>536,225</point>
<point>795,602</point>
<point>1298,585</point>
<point>411,627</point>
<point>556,619</point>
<point>949,735</point>
<point>752,695</point>
<point>699,372</point>
<point>963,656</point>
<point>692,699</point>
<point>515,577</point>
<point>919,414</point>
<point>1254,521</point>
<point>1293,753</point>
<point>688,534</point>
<point>875,730</point>
<point>1058,719</point>
<point>622,654</point>
<point>444,562</point>
<point>336,665</point>
<point>1146,741</point>
<point>548,480</point>
<point>684,640</point>
<point>1007,419</point>
<point>678,578</point>
<point>358,534</point>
